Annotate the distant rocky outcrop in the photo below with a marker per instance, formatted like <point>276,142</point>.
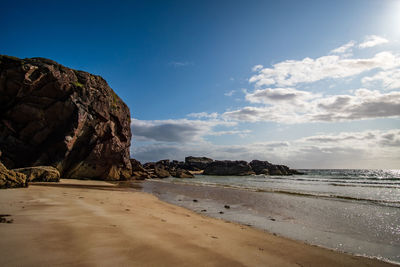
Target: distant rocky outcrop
<point>228,167</point>
<point>11,179</point>
<point>197,163</point>
<point>261,167</point>
<point>181,173</point>
<point>264,167</point>
<point>40,173</point>
<point>202,165</point>
<point>55,116</point>
<point>166,168</point>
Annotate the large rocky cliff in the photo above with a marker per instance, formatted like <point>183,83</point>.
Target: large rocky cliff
<point>57,116</point>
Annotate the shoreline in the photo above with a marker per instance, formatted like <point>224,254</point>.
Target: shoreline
<point>86,223</point>
<point>344,225</point>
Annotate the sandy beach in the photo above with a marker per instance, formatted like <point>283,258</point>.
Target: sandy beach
<point>93,223</point>
<point>355,227</point>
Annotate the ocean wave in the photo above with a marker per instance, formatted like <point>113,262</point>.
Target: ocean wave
<point>334,182</point>
<point>383,202</point>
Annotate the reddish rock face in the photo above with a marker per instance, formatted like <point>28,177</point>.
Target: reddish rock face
<point>72,120</point>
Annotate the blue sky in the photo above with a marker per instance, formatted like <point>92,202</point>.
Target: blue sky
<point>312,84</point>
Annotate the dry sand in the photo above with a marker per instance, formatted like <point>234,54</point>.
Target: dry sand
<point>92,223</point>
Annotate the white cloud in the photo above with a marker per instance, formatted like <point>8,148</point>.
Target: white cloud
<point>180,63</point>
<point>277,95</point>
<point>230,93</point>
<point>344,48</point>
<point>181,130</point>
<point>240,133</point>
<point>257,114</point>
<point>277,88</point>
<point>372,40</point>
<point>390,138</point>
<point>206,115</point>
<point>292,72</point>
<point>257,67</point>
<point>363,104</point>
<point>388,80</point>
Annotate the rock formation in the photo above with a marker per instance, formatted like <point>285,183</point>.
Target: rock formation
<point>228,167</point>
<point>11,179</point>
<point>166,168</point>
<point>55,116</point>
<point>264,167</point>
<point>197,163</point>
<point>261,167</point>
<point>181,173</point>
<point>138,172</point>
<point>40,174</point>
<point>179,169</point>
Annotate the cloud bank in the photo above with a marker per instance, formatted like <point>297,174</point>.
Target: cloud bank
<point>308,70</point>
<point>294,106</point>
<point>282,95</point>
<point>181,131</point>
<point>372,40</point>
<point>366,149</point>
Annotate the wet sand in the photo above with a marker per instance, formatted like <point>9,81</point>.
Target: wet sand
<point>354,227</point>
<point>93,223</point>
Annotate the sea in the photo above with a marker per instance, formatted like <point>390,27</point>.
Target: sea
<point>354,211</point>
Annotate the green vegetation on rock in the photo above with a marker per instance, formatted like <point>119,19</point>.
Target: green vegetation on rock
<point>78,84</point>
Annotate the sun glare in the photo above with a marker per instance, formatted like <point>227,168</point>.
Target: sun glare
<point>394,17</point>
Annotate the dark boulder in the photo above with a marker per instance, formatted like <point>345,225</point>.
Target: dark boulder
<point>55,116</point>
<point>40,173</point>
<point>138,171</point>
<point>264,167</point>
<point>197,163</point>
<point>279,170</point>
<point>161,168</point>
<point>261,167</point>
<point>136,165</point>
<point>177,164</point>
<point>180,173</point>
<point>149,165</point>
<point>161,172</point>
<point>166,168</point>
<point>227,167</point>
